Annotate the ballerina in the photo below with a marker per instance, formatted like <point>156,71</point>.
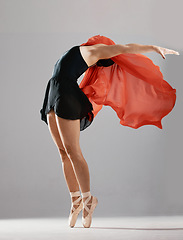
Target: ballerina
<point>69,108</point>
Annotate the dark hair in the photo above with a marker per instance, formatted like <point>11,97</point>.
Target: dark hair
<point>104,62</point>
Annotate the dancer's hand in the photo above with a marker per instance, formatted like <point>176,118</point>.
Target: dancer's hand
<point>162,51</point>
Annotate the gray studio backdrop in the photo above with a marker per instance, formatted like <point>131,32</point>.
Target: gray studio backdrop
<point>133,172</point>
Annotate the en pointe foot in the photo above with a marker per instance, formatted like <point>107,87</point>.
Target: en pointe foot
<point>89,204</point>
<point>76,207</point>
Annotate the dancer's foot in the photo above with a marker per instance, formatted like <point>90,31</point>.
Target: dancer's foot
<point>89,204</point>
<point>76,207</point>
<point>85,212</point>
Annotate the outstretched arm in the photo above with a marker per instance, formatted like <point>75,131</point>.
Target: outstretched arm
<point>93,53</point>
<point>107,51</point>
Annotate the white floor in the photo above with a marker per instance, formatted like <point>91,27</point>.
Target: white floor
<point>127,228</point>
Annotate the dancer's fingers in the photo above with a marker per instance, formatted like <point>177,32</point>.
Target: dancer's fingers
<point>170,51</point>
<point>162,51</point>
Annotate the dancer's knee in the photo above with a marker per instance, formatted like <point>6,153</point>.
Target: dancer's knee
<point>73,152</point>
<point>63,154</point>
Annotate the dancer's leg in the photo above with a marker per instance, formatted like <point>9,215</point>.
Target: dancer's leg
<point>67,165</point>
<point>70,132</point>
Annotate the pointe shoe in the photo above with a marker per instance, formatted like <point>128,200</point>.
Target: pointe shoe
<point>88,219</point>
<point>73,215</point>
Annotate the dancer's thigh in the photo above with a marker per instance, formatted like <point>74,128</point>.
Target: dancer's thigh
<point>70,132</point>
<point>52,125</point>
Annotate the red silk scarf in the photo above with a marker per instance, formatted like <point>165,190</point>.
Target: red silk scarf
<point>133,86</point>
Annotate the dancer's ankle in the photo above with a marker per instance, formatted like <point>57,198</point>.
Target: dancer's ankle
<point>75,195</point>
<point>86,195</point>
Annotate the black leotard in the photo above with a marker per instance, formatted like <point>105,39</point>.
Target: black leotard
<point>63,93</point>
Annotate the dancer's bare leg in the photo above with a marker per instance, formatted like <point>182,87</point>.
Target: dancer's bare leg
<point>67,165</point>
<point>69,131</point>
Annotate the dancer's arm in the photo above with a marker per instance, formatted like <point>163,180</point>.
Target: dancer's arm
<point>107,51</point>
<point>93,53</point>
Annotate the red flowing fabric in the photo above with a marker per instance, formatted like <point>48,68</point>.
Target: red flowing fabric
<point>133,86</point>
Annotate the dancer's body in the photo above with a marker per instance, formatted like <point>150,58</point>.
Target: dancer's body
<point>66,132</point>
